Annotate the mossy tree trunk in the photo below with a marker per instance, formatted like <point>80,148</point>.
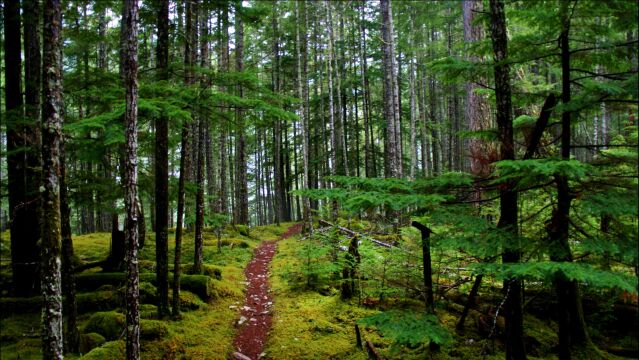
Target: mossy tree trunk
<point>131,230</point>
<point>52,333</point>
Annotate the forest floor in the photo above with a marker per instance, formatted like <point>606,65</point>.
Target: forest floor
<point>286,283</point>
<point>256,313</point>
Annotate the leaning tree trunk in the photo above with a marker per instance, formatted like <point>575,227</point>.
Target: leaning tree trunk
<point>508,196</point>
<point>130,72</point>
<point>52,333</point>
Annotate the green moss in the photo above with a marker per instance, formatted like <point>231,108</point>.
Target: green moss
<point>148,311</point>
<point>98,301</point>
<point>153,329</point>
<point>108,324</point>
<point>190,301</point>
<point>148,293</point>
<point>201,285</point>
<point>90,341</point>
<point>112,350</point>
<point>308,324</point>
<point>209,270</point>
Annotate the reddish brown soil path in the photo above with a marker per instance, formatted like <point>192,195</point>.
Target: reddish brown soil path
<point>255,320</point>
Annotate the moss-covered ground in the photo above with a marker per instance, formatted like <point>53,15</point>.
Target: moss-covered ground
<point>310,319</point>
<point>203,333</point>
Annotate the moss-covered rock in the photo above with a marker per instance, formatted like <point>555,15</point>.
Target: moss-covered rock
<point>153,329</point>
<point>209,270</point>
<point>98,301</point>
<point>148,293</point>
<point>112,350</point>
<point>109,324</point>
<point>90,341</point>
<point>148,311</point>
<point>190,301</point>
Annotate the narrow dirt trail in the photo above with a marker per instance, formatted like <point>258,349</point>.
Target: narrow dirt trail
<point>256,317</point>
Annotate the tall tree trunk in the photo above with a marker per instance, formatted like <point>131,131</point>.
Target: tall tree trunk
<point>130,70</point>
<point>302,91</point>
<point>52,333</point>
<point>508,196</point>
<point>413,102</point>
<point>476,110</point>
<point>279,199</point>
<point>224,67</point>
<point>70,309</point>
<point>162,167</point>
<point>185,151</point>
<point>241,203</point>
<point>22,181</point>
<point>392,145</point>
<point>199,204</point>
<point>572,329</point>
<point>331,106</point>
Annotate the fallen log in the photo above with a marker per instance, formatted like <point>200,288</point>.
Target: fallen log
<point>352,233</point>
<point>372,352</point>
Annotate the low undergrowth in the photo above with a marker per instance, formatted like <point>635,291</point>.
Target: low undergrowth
<point>206,329</point>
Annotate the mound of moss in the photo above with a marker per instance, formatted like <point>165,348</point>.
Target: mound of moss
<point>90,341</point>
<point>153,329</point>
<point>201,285</point>
<point>209,270</point>
<point>112,350</point>
<point>109,324</point>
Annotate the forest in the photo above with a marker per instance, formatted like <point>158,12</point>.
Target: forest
<point>325,179</point>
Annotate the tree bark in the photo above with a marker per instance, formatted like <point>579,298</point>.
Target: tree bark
<point>130,71</point>
<point>162,167</point>
<point>302,91</point>
<point>224,67</point>
<point>508,196</point>
<point>331,107</point>
<point>185,163</point>
<point>476,110</point>
<point>52,332</point>
<point>70,309</point>
<point>392,143</point>
<point>241,203</point>
<point>23,201</point>
<point>428,271</point>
